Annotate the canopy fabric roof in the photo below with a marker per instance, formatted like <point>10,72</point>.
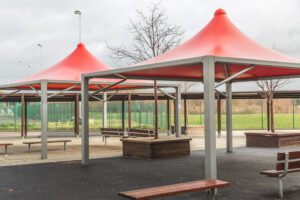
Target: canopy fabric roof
<point>70,69</point>
<point>68,72</point>
<point>221,39</point>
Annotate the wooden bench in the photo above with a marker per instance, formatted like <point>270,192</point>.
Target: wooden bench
<point>171,190</point>
<point>29,143</point>
<point>288,162</point>
<point>5,146</point>
<point>111,132</point>
<point>134,132</point>
<point>183,130</point>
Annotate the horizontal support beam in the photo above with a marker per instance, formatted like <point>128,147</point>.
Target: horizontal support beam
<point>37,92</point>
<point>63,91</point>
<point>234,75</point>
<point>109,86</point>
<point>6,95</point>
<point>165,93</point>
<point>97,98</point>
<point>221,93</point>
<point>111,96</point>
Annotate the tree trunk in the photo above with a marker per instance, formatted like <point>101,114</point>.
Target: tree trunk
<point>272,116</point>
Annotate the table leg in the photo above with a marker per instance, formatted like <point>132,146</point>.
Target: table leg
<point>29,148</point>
<point>5,149</point>
<point>65,145</point>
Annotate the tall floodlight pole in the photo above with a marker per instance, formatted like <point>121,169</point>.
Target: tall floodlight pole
<point>41,48</point>
<point>78,12</point>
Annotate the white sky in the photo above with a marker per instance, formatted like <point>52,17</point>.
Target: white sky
<point>25,23</point>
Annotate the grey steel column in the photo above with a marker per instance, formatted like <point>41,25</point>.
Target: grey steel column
<point>44,119</point>
<point>229,117</point>
<point>76,115</point>
<point>85,121</point>
<point>155,111</point>
<point>104,111</point>
<point>209,117</point>
<point>177,112</point>
<point>23,115</point>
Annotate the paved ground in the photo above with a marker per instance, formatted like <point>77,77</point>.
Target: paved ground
<point>18,154</point>
<point>107,176</point>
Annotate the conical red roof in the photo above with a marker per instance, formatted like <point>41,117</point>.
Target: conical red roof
<point>68,72</point>
<point>220,37</point>
<point>70,69</point>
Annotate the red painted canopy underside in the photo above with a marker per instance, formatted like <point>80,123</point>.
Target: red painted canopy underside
<point>69,70</point>
<point>220,37</point>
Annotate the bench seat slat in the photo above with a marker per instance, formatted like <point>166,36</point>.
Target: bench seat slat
<point>174,189</point>
<point>50,141</point>
<point>6,144</point>
<point>292,155</point>
<point>292,165</point>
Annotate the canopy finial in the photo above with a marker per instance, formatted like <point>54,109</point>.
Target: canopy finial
<point>220,11</point>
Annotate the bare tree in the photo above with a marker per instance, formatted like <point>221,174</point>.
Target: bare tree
<point>186,86</point>
<point>153,35</point>
<point>269,87</point>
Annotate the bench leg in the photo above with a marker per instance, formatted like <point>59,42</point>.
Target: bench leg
<point>213,193</point>
<point>29,148</point>
<point>105,140</point>
<point>65,145</point>
<point>280,187</point>
<point>5,149</point>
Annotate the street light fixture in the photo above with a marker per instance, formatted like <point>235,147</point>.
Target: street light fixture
<point>41,48</point>
<point>21,62</point>
<point>78,12</point>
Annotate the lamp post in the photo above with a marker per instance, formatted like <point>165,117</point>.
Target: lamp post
<point>78,12</point>
<point>21,62</point>
<point>41,48</point>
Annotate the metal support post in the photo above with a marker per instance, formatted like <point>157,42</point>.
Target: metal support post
<point>229,117</point>
<point>104,112</point>
<point>129,111</point>
<point>219,117</point>
<point>155,111</point>
<point>85,121</point>
<point>44,119</point>
<point>76,115</point>
<point>168,116</point>
<point>209,117</point>
<point>177,113</point>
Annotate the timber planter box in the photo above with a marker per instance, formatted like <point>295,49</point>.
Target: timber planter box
<point>160,148</point>
<point>277,139</point>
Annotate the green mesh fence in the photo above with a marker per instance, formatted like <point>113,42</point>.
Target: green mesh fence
<point>247,114</point>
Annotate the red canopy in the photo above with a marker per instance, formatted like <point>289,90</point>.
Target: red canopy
<point>68,72</point>
<point>221,39</point>
<point>70,69</point>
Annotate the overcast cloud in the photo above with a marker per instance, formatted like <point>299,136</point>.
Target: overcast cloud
<point>25,23</point>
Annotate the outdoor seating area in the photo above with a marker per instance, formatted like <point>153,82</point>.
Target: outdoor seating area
<point>106,177</point>
<point>172,116</point>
